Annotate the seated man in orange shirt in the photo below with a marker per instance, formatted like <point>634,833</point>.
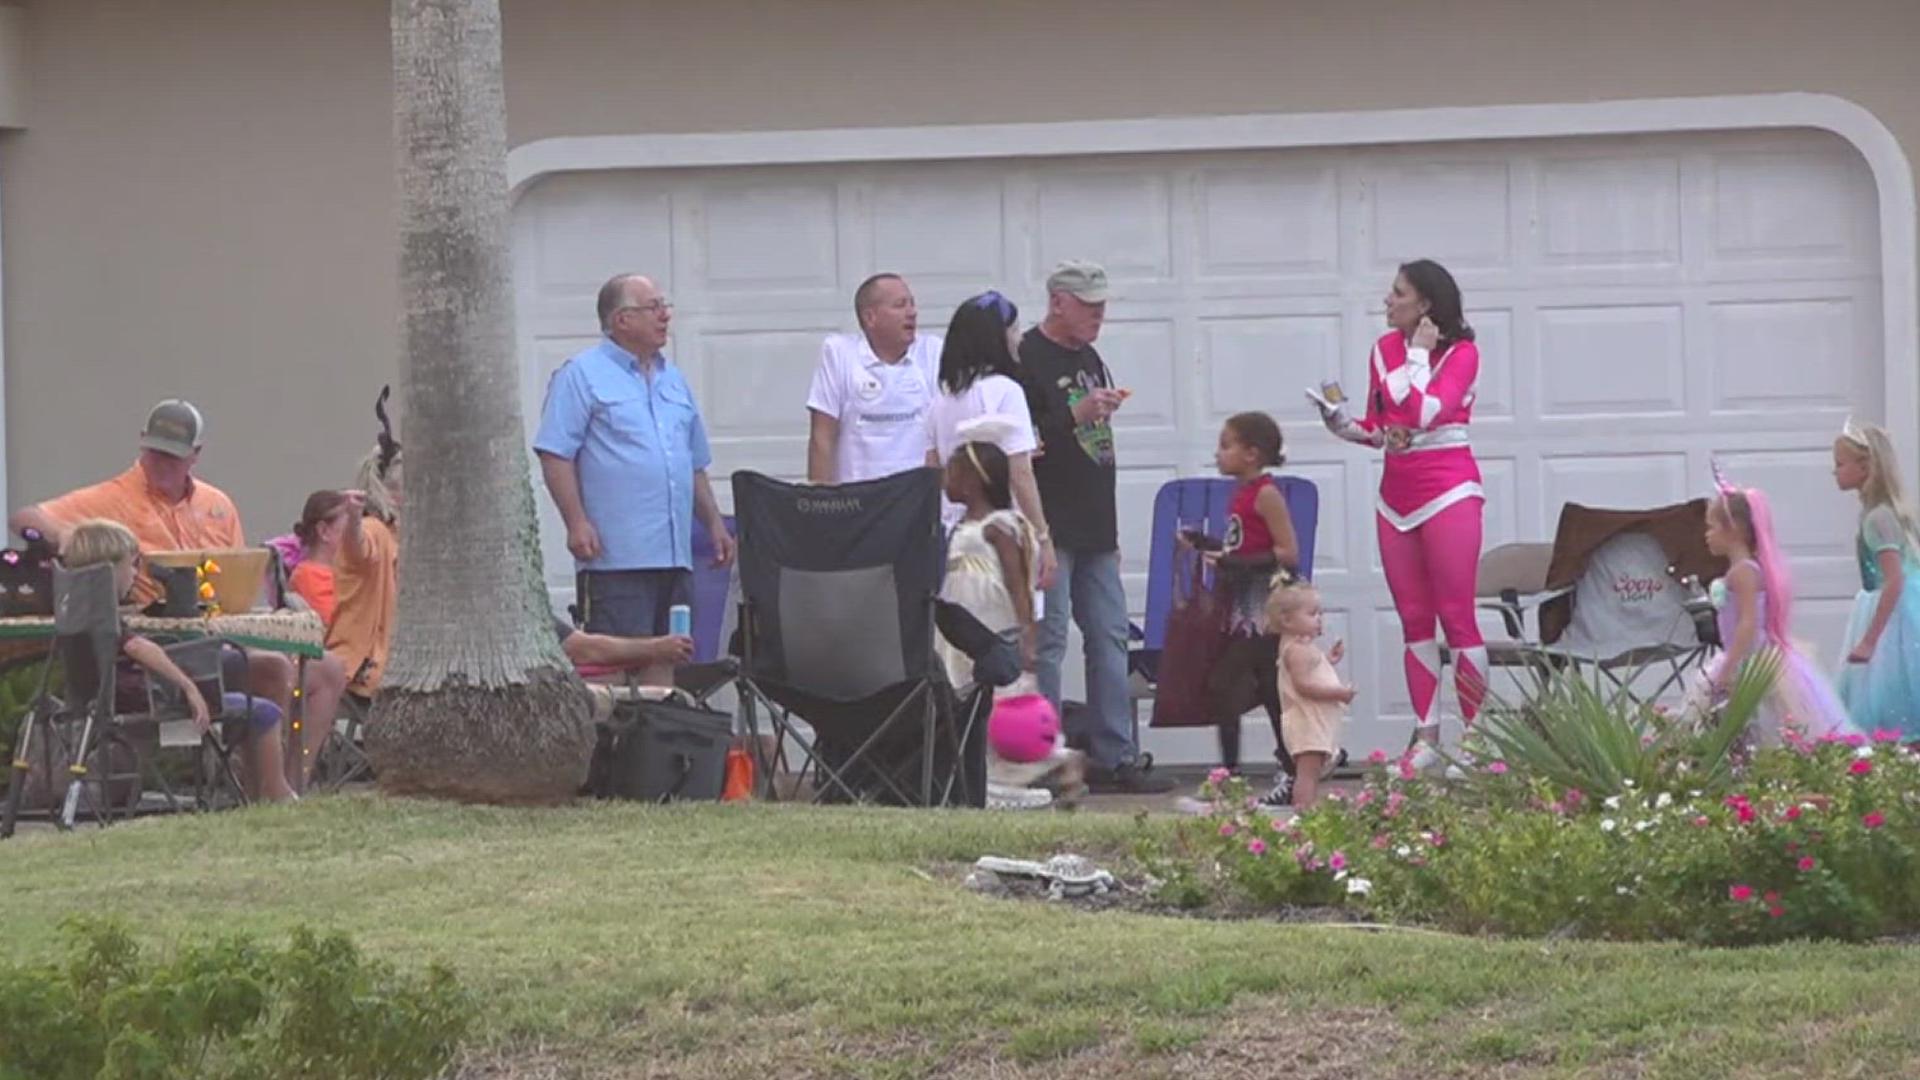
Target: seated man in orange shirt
<point>167,509</point>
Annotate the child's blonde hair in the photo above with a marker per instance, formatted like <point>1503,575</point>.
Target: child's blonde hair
<point>1287,596</point>
<point>98,541</point>
<point>1872,444</point>
<point>373,481</point>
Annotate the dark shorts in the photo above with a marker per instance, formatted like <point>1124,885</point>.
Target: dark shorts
<point>630,603</point>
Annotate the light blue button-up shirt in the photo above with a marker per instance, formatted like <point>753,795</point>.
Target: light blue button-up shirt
<point>636,442</point>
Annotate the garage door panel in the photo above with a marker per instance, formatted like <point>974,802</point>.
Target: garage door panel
<point>1608,211</point>
<point>1332,540</point>
<point>1616,481</point>
<point>587,227</point>
<point>940,231</point>
<point>750,382</point>
<point>1784,355</point>
<point>780,236</point>
<point>1253,362</point>
<point>1274,220</point>
<point>1810,512</point>
<point>1779,206</point>
<point>1606,360</point>
<point>1122,217</point>
<point>1473,232</point>
<point>1141,354</point>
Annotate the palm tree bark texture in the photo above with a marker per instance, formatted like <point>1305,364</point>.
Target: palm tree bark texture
<point>478,703</point>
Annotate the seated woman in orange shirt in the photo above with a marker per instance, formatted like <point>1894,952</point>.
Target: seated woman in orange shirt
<point>318,532</point>
<point>366,572</point>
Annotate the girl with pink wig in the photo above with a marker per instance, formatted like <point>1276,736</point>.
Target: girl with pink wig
<point>1755,601</point>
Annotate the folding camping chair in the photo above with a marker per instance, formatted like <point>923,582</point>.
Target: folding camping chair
<point>838,592</point>
<point>1198,503</point>
<point>78,750</point>
<point>1625,600</point>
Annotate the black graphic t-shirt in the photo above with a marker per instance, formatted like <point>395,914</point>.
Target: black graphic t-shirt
<point>1075,469</point>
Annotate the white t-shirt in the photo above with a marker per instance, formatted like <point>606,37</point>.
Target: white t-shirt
<point>995,395</point>
<point>881,407</point>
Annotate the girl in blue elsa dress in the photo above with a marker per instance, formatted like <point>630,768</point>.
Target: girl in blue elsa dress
<point>1880,678</point>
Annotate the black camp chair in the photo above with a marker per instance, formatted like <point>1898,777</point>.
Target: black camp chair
<point>838,592</point>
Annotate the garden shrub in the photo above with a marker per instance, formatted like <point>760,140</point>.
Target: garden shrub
<point>228,1009</point>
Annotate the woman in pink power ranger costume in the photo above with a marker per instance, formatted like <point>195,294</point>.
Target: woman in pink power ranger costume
<point>1420,391</point>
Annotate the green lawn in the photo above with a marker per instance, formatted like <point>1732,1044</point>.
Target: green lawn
<point>767,941</point>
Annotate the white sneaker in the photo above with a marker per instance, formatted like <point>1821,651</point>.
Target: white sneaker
<point>1002,797</point>
<point>1425,758</point>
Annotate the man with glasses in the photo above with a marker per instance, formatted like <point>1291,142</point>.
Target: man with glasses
<point>868,404</point>
<point>625,457</point>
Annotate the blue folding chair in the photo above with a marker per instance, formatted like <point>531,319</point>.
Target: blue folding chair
<point>1199,503</point>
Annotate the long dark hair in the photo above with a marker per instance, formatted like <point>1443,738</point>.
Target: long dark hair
<point>1437,287</point>
<point>977,342</point>
<point>989,463</point>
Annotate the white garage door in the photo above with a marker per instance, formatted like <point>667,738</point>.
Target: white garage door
<point>1641,303</point>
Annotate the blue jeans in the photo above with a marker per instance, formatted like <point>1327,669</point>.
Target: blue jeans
<point>1088,587</point>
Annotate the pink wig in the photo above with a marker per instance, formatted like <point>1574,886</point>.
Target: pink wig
<point>1773,567</point>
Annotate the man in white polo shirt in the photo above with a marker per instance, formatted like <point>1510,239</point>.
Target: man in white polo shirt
<point>870,394</point>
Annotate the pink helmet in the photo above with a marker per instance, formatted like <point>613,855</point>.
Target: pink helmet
<point>1023,729</point>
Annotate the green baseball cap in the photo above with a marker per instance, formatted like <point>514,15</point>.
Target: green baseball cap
<point>174,428</point>
<point>1082,280</point>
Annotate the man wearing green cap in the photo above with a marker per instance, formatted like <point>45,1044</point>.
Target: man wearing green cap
<point>1072,397</point>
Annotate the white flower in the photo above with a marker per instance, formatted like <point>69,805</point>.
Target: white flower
<point>1693,794</point>
<point>1359,886</point>
<point>1628,784</point>
<point>1863,752</point>
<point>1403,851</point>
<point>1608,824</point>
<point>1340,876</point>
<point>1621,890</point>
<point>1642,826</point>
<point>1612,802</point>
<point>1665,800</point>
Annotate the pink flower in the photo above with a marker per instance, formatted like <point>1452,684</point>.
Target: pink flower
<point>1278,825</point>
<point>1318,865</point>
<point>1855,740</point>
<point>1646,741</point>
<point>1860,767</point>
<point>1702,821</point>
<point>1770,897</point>
<point>1439,840</point>
<point>1378,757</point>
<point>1226,828</point>
<point>1406,769</point>
<point>1362,799</point>
<point>1338,861</point>
<point>1807,864</point>
<point>1740,893</point>
<point>1256,846</point>
<point>1776,911</point>
<point>1883,735</point>
<point>1874,819</point>
<point>1497,768</point>
<point>1572,798</point>
<point>1792,814</point>
<point>1395,801</point>
<point>1380,842</point>
<point>1217,777</point>
<point>1745,813</point>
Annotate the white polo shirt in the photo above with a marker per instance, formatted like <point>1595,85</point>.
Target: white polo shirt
<point>881,407</point>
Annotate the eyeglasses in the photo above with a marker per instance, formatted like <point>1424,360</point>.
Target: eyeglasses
<point>1000,305</point>
<point>651,307</point>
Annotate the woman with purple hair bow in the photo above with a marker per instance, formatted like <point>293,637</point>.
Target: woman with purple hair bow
<point>1755,602</point>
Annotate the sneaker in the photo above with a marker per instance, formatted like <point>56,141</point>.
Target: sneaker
<point>1004,797</point>
<point>1334,764</point>
<point>1425,758</point>
<point>1131,778</point>
<point>1280,794</point>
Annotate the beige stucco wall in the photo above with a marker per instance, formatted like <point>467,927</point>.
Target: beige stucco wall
<point>202,204</point>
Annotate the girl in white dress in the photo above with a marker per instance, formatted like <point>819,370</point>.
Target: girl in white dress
<point>991,558</point>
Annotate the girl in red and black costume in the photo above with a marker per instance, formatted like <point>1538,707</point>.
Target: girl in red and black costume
<point>1259,549</point>
<point>1420,390</point>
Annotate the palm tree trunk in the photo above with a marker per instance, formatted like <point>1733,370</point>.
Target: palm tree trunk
<point>477,702</point>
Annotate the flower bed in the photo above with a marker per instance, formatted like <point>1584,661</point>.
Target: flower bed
<point>1814,840</point>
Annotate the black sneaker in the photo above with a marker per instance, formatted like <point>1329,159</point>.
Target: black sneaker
<point>1131,778</point>
<point>1334,764</point>
<point>1280,794</point>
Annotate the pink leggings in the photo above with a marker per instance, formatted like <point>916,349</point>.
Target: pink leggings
<point>1431,571</point>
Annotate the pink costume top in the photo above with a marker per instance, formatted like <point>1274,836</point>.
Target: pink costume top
<point>1433,399</point>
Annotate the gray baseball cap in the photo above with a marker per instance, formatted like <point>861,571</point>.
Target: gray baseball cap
<point>1082,280</point>
<point>174,428</point>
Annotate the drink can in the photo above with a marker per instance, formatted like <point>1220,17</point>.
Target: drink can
<point>680,620</point>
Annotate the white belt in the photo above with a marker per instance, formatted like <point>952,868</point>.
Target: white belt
<point>1444,437</point>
